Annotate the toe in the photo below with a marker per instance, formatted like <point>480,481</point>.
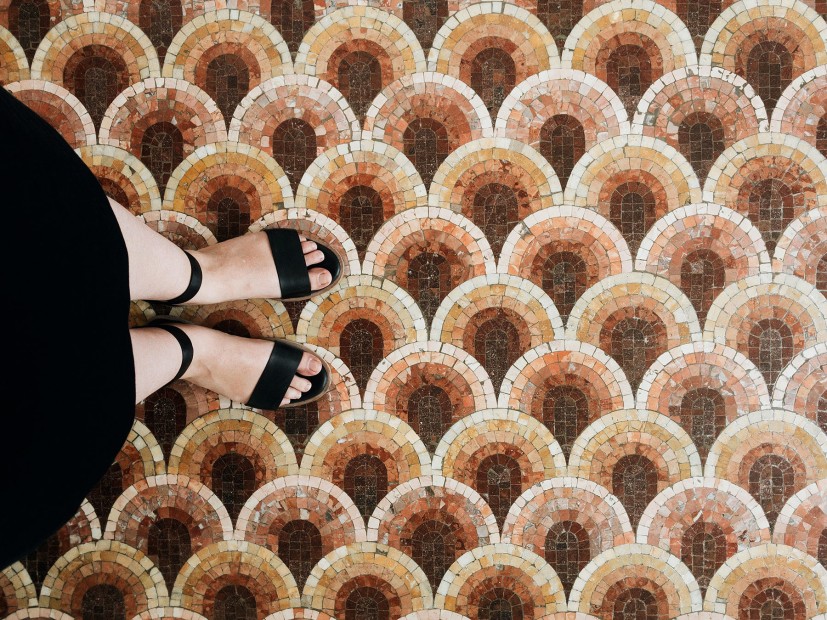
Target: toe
<point>300,384</point>
<point>313,256</point>
<point>319,278</point>
<point>292,393</point>
<point>309,365</point>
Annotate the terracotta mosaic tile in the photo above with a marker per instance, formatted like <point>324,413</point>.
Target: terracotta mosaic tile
<point>634,334</point>
<point>629,46</point>
<point>790,579</point>
<point>430,389</point>
<point>367,575</point>
<point>366,465</point>
<point>230,575</point>
<point>433,520</point>
<point>124,177</point>
<point>562,113</point>
<point>703,388</point>
<point>579,352</point>
<point>565,254</point>
<point>635,576</point>
<point>800,110</point>
<point>716,519</point>
<point>426,116</point>
<point>801,386</point>
<point>773,461</point>
<point>802,521</point>
<point>13,64</point>
<point>569,521</point>
<point>799,250</point>
<point>104,574</point>
<point>227,54</point>
<point>500,453</point>
<point>789,317</point>
<point>768,44</point>
<point>29,22</point>
<point>360,51</point>
<point>16,588</point>
<point>701,249</point>
<point>301,519</point>
<point>492,50</point>
<point>700,112</point>
<point>59,107</point>
<point>566,385</point>
<point>501,577</point>
<point>635,454</point>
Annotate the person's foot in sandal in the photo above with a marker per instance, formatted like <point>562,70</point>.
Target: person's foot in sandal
<point>276,263</point>
<point>260,373</point>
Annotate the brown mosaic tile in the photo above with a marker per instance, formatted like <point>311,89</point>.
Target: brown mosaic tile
<point>268,122</point>
<point>803,522</point>
<point>427,119</point>
<point>360,52</point>
<point>517,586</point>
<point>698,17</point>
<point>530,259</point>
<point>29,21</point>
<point>493,50</point>
<point>560,17</point>
<point>160,19</point>
<point>782,589</point>
<point>713,533</point>
<point>293,20</point>
<point>434,523</point>
<point>570,521</point>
<point>95,74</point>
<point>373,578</point>
<point>425,18</point>
<point>772,471</point>
<point>500,455</point>
<point>304,519</point>
<point>636,581</point>
<point>235,579</point>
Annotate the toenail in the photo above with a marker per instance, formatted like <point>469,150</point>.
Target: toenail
<point>324,279</point>
<point>315,365</point>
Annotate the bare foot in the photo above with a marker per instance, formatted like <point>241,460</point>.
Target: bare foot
<point>243,268</point>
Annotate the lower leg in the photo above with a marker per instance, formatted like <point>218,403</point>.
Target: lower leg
<point>228,365</point>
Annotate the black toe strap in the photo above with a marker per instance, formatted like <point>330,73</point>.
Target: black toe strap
<point>289,258</point>
<point>279,372</point>
<point>276,376</point>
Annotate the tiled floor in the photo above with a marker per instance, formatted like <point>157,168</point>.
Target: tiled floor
<point>581,344</point>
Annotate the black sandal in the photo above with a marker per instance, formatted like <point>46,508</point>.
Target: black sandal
<point>282,366</point>
<point>279,371</point>
<point>292,272</point>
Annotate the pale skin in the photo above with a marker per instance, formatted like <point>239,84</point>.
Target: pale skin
<point>240,268</point>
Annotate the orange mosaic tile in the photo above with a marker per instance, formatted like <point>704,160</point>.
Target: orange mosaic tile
<point>579,350</point>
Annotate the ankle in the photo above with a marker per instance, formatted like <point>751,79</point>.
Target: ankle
<point>228,365</point>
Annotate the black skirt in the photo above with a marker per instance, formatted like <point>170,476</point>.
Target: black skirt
<point>68,368</point>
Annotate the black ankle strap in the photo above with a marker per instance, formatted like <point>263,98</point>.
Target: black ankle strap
<point>193,287</point>
<point>185,343</point>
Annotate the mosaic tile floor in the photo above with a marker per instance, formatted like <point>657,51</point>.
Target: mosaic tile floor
<point>581,344</point>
